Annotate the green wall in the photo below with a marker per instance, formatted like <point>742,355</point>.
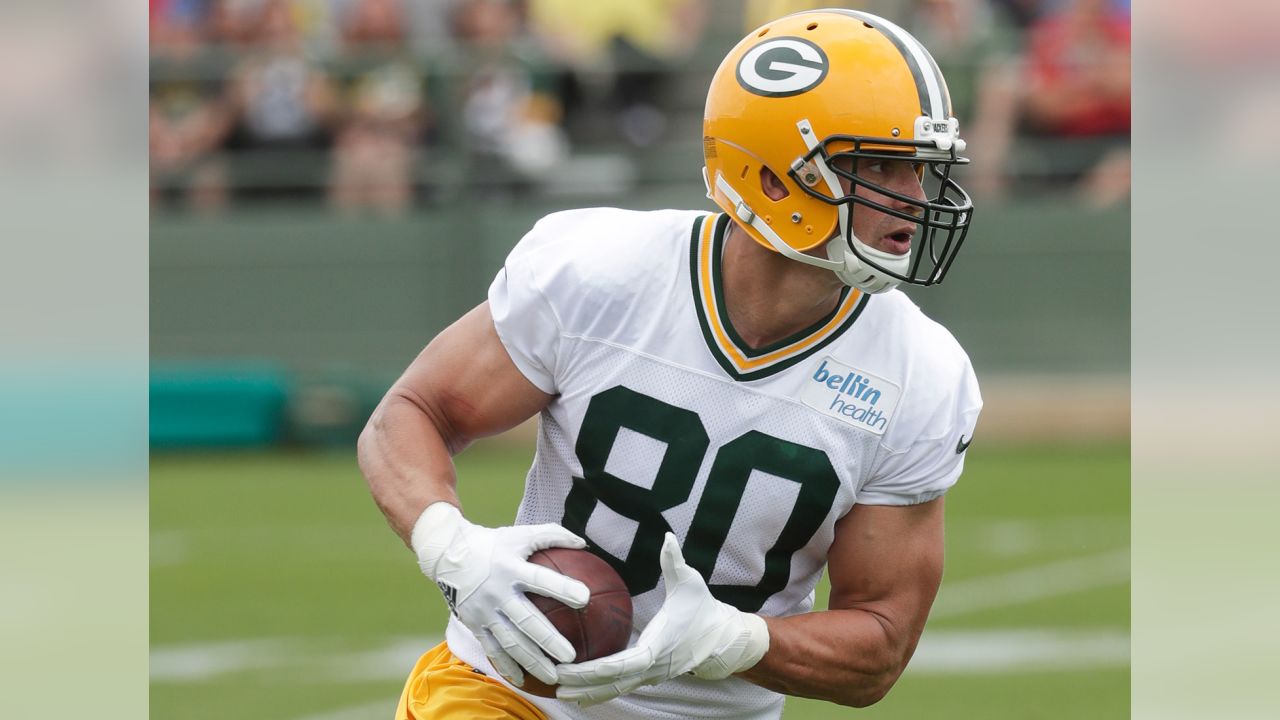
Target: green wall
<point>1039,287</point>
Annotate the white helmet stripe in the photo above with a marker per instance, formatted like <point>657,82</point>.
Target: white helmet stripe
<point>934,95</point>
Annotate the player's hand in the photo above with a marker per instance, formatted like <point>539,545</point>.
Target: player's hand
<point>692,632</point>
<point>484,573</point>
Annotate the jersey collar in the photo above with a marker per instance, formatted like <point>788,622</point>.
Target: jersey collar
<point>732,353</point>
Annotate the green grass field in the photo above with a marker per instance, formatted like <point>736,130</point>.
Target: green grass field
<point>278,592</point>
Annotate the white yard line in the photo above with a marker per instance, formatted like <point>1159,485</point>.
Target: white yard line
<point>941,652</point>
<point>204,661</point>
<point>965,652</point>
<point>393,660</point>
<point>314,658</point>
<point>1012,538</point>
<point>960,597</point>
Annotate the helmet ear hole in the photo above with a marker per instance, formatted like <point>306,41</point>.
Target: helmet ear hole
<point>772,185</point>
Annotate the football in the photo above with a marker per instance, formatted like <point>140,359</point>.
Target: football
<point>601,628</point>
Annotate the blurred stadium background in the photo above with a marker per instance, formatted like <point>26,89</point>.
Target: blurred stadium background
<point>333,181</point>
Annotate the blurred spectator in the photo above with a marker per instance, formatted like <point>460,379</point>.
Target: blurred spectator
<point>373,25</point>
<point>238,23</point>
<point>231,23</point>
<point>1063,109</point>
<point>966,38</point>
<point>429,25</point>
<point>187,126</point>
<point>1077,71</point>
<point>317,25</point>
<point>620,55</point>
<point>1078,83</point>
<point>189,119</point>
<point>282,97</point>
<point>177,26</point>
<point>1020,13</point>
<point>375,149</point>
<point>377,142</point>
<point>510,119</point>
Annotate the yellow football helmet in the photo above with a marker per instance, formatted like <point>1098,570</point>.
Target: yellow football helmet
<point>816,86</point>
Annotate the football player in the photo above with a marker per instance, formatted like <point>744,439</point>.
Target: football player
<point>729,403</point>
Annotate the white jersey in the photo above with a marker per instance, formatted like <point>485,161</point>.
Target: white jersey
<point>666,420</point>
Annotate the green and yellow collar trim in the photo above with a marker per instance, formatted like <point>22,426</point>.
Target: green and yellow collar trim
<point>739,360</point>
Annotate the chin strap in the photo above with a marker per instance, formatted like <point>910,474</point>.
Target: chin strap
<point>746,215</point>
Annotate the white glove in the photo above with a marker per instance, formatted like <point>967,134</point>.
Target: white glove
<point>692,632</point>
<point>484,573</point>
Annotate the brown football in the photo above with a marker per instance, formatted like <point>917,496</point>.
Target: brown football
<point>601,628</point>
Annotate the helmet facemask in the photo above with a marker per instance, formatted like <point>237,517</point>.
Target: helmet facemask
<point>942,217</point>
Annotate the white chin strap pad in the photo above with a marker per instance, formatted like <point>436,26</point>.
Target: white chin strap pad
<point>858,274</point>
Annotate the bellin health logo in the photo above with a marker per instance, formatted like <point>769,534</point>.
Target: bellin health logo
<point>854,396</point>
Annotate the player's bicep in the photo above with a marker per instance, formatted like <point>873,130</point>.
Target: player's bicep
<point>887,560</point>
<point>466,382</point>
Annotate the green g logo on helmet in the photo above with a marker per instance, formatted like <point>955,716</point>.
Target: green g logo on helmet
<point>782,67</point>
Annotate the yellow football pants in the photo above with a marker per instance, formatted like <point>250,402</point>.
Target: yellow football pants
<point>442,687</point>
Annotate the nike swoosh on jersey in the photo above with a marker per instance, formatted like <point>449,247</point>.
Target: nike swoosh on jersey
<point>963,444</point>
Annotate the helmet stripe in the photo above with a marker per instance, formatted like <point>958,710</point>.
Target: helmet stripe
<point>935,101</point>
<point>942,83</point>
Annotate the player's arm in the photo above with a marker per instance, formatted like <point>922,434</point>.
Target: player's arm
<point>461,387</point>
<point>885,566</point>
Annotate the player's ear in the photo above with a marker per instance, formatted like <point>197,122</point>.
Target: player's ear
<point>772,185</point>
